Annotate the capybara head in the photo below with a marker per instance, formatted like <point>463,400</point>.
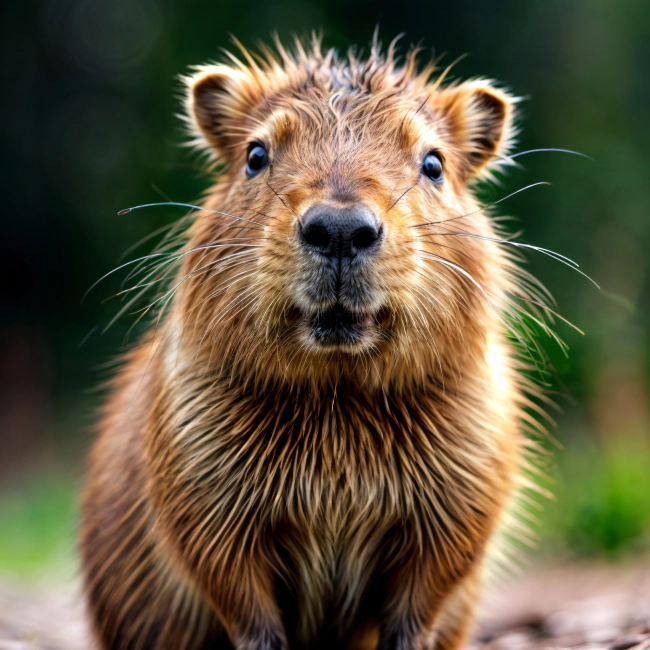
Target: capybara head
<point>344,239</point>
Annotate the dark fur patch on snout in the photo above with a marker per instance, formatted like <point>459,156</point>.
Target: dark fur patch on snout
<point>338,326</point>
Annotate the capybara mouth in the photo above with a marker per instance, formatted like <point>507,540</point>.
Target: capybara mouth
<point>339,326</point>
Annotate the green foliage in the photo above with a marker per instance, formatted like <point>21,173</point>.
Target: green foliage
<point>603,500</point>
<point>38,526</point>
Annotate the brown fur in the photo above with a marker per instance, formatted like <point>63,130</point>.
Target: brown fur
<point>249,487</point>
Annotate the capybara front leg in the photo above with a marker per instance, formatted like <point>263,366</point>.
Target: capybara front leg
<point>243,596</point>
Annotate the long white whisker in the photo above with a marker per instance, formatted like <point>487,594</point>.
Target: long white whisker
<point>177,256</point>
<point>524,153</point>
<point>192,207</point>
<point>485,207</point>
<point>545,251</point>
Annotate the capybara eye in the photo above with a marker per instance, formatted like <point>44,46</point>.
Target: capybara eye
<point>432,167</point>
<point>258,159</point>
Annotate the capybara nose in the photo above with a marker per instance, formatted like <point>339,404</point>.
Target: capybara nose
<point>340,232</point>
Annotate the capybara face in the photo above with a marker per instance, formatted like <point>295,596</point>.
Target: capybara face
<point>350,240</point>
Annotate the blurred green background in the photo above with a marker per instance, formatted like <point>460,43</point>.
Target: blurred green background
<point>88,127</point>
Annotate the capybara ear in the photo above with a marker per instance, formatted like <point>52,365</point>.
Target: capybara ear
<point>479,119</point>
<point>218,100</point>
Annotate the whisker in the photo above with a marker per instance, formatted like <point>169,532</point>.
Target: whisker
<point>401,196</point>
<point>164,299</point>
<point>511,309</point>
<point>169,241</point>
<point>167,247</point>
<point>192,207</point>
<point>524,153</point>
<point>243,302</point>
<point>209,266</point>
<point>151,235</point>
<point>222,287</point>
<point>548,309</point>
<point>545,251</point>
<point>172,291</point>
<point>178,256</point>
<point>439,245</point>
<point>457,268</point>
<point>485,207</point>
<point>87,336</point>
<point>284,203</point>
<point>213,294</point>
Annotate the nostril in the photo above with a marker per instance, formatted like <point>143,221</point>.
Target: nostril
<point>315,234</point>
<point>365,237</point>
<point>343,233</point>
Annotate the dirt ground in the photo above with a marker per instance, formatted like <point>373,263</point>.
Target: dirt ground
<point>561,606</point>
<point>586,606</point>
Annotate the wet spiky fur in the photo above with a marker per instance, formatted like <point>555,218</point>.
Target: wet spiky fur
<point>253,489</point>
